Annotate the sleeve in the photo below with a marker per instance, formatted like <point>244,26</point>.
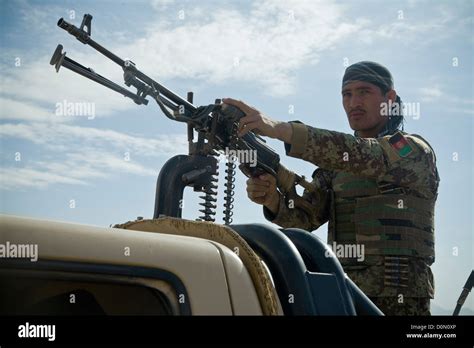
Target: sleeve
<point>400,159</point>
<point>289,215</point>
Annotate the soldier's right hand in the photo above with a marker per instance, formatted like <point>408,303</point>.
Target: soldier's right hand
<point>263,190</point>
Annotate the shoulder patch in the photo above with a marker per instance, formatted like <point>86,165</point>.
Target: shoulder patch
<point>400,144</point>
<point>421,143</point>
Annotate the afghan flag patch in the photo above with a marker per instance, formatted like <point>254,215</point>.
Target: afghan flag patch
<point>400,144</point>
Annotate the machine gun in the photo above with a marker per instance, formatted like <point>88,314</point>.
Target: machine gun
<point>216,127</point>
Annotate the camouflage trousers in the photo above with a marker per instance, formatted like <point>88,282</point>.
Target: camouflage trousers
<point>410,305</point>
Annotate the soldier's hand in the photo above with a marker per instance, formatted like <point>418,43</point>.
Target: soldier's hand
<point>263,190</point>
<point>254,120</point>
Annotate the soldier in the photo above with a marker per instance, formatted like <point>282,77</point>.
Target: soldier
<point>377,188</point>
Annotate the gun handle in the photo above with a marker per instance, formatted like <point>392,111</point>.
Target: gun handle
<point>251,172</point>
<point>232,112</point>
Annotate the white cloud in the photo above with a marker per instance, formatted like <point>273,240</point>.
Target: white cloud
<point>37,84</point>
<point>447,102</point>
<point>11,109</point>
<point>413,25</point>
<point>430,93</point>
<point>112,163</point>
<point>60,136</point>
<point>265,45</point>
<point>82,154</point>
<point>462,101</point>
<point>79,168</point>
<point>24,178</point>
<point>161,4</point>
<point>467,111</point>
<point>38,17</point>
<point>403,29</point>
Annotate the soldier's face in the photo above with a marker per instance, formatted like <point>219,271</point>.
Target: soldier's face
<point>361,101</point>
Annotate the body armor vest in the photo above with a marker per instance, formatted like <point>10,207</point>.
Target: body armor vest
<point>385,219</point>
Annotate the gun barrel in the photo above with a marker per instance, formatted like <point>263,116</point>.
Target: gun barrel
<point>85,38</point>
<point>59,59</point>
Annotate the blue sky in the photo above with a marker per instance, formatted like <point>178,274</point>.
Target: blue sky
<point>275,55</point>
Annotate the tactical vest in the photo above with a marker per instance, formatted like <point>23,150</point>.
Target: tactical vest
<point>389,221</point>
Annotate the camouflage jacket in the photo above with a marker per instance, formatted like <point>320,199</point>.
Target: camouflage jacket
<point>377,159</point>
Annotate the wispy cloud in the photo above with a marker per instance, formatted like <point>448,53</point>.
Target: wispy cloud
<point>37,85</point>
<point>79,168</point>
<point>37,16</point>
<point>265,44</point>
<point>161,4</point>
<point>464,111</point>
<point>11,109</point>
<point>447,102</point>
<point>57,136</point>
<point>82,154</point>
<point>24,178</point>
<point>430,93</point>
<point>416,24</point>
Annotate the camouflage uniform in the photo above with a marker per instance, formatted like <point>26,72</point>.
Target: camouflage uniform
<point>378,193</point>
